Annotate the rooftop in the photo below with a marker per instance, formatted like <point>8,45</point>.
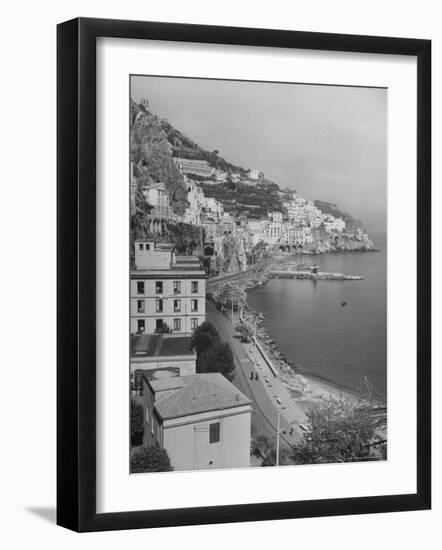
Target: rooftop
<point>198,393</point>
<point>160,345</point>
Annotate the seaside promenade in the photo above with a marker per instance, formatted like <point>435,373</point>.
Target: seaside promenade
<point>254,377</point>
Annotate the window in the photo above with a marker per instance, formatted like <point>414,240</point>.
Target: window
<point>141,325</point>
<point>140,306</point>
<point>147,246</point>
<point>158,324</point>
<point>177,325</point>
<point>194,287</point>
<point>141,247</point>
<point>214,431</point>
<point>159,287</point>
<point>147,414</point>
<point>194,305</point>
<point>177,287</point>
<point>176,306</point>
<point>159,305</point>
<point>194,323</point>
<point>140,287</point>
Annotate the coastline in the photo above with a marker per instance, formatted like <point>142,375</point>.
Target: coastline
<point>305,389</point>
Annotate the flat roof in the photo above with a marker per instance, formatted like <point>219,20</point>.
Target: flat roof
<point>185,272</point>
<point>161,345</point>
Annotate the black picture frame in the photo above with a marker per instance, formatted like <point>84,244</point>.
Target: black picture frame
<point>76,273</point>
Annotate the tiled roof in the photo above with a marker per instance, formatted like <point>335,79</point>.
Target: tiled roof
<point>200,393</point>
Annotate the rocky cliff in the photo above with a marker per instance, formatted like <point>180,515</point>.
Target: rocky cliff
<point>152,156</point>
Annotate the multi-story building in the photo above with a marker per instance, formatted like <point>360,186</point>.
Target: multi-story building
<point>192,166</point>
<point>202,420</point>
<point>212,231</point>
<point>276,216</point>
<point>213,208</point>
<point>258,229</point>
<point>157,196</point>
<point>333,224</point>
<point>196,200</point>
<point>165,289</point>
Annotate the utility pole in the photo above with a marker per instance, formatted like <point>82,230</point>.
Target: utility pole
<point>231,296</point>
<point>277,438</point>
<point>254,348</point>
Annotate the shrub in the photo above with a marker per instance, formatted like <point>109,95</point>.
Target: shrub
<point>149,459</point>
<point>136,422</point>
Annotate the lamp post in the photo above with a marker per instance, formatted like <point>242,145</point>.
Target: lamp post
<point>254,342</point>
<point>278,428</point>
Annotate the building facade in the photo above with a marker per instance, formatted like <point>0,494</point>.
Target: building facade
<point>202,420</point>
<point>157,197</point>
<point>192,166</point>
<point>165,290</point>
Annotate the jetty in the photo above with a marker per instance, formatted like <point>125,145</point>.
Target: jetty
<point>309,274</point>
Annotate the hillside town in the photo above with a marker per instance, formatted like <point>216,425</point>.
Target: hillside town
<point>207,391</point>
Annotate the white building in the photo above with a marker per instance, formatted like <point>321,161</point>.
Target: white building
<point>213,208</point>
<point>196,200</point>
<point>157,197</point>
<point>256,175</point>
<point>165,289</point>
<point>258,230</point>
<point>202,420</point>
<point>192,166</point>
<point>275,216</point>
<point>274,232</point>
<point>333,224</point>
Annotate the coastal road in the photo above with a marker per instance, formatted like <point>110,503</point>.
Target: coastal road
<point>265,410</point>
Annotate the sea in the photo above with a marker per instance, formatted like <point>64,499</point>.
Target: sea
<point>335,331</point>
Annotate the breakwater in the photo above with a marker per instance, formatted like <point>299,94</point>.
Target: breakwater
<point>320,275</point>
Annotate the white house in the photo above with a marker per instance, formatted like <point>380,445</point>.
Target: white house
<point>202,420</point>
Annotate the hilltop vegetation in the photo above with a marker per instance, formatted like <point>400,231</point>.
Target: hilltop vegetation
<point>240,198</point>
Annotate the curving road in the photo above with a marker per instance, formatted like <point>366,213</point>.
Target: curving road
<point>265,408</point>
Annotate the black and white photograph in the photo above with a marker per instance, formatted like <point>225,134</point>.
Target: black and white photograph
<point>258,274</point>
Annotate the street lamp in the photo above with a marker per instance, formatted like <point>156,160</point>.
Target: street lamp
<point>278,429</point>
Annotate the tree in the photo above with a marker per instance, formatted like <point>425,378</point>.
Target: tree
<point>204,336</point>
<point>265,449</point>
<point>244,330</point>
<point>217,358</point>
<point>149,459</point>
<point>338,432</point>
<point>136,422</point>
<point>212,354</point>
<point>230,292</point>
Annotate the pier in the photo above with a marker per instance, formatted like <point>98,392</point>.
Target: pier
<point>320,275</point>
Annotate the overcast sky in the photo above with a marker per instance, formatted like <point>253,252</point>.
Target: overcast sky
<point>327,142</point>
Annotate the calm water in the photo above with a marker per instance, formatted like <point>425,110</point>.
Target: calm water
<point>310,327</point>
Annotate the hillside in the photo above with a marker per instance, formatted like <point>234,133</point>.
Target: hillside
<point>151,155</point>
<point>250,200</point>
<point>155,143</point>
<point>331,208</point>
